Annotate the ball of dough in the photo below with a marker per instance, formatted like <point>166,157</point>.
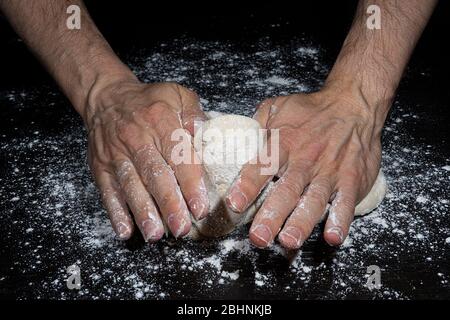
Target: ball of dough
<point>217,142</point>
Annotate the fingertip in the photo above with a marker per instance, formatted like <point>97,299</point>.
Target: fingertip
<point>151,231</point>
<point>179,226</point>
<point>184,230</point>
<point>199,207</point>
<point>198,202</point>
<point>291,238</point>
<point>334,236</point>
<point>236,200</point>
<point>123,230</point>
<point>257,242</point>
<point>260,236</point>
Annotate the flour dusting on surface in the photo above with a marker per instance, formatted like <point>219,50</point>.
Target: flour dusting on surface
<point>55,218</point>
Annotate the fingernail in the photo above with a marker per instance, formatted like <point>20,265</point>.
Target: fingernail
<point>178,226</point>
<point>292,237</point>
<point>197,208</point>
<point>123,231</point>
<point>263,233</point>
<point>151,231</point>
<point>236,200</point>
<point>338,232</point>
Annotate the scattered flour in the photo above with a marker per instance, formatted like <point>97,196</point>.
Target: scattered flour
<point>52,214</point>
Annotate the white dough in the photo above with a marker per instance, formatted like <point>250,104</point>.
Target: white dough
<point>221,174</point>
<point>375,196</point>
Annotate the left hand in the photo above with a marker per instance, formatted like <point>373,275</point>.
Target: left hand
<point>131,156</point>
<point>330,151</point>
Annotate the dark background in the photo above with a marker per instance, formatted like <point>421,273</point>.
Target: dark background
<point>133,25</point>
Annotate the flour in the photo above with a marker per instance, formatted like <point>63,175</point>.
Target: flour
<point>46,171</point>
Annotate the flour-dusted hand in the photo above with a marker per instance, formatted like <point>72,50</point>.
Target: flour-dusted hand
<point>130,153</point>
<point>330,140</point>
<point>130,124</point>
<point>329,151</point>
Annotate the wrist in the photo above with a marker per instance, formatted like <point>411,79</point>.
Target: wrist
<point>102,90</point>
<point>370,97</point>
<point>354,100</point>
<point>86,74</point>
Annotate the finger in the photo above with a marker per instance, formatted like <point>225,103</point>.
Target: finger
<point>192,114</point>
<point>183,160</point>
<point>341,212</point>
<point>280,202</point>
<point>175,146</point>
<point>139,201</point>
<point>253,177</point>
<point>160,180</point>
<point>307,214</point>
<point>115,205</point>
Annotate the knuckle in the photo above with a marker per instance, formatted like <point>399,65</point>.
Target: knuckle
<point>167,197</point>
<point>298,171</point>
<point>319,195</point>
<point>125,131</point>
<point>123,171</point>
<point>346,204</point>
<point>157,174</point>
<point>291,188</point>
<point>350,177</point>
<point>319,190</point>
<point>144,156</point>
<point>127,182</point>
<point>302,165</point>
<point>154,113</point>
<point>148,173</point>
<point>159,106</point>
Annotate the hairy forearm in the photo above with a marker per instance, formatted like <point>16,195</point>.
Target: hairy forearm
<point>79,60</point>
<point>372,60</point>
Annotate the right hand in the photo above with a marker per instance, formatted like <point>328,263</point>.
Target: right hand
<point>130,126</point>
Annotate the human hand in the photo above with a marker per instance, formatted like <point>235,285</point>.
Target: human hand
<point>130,126</point>
<point>330,151</point>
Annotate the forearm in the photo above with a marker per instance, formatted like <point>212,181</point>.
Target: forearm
<point>81,60</point>
<point>372,61</point>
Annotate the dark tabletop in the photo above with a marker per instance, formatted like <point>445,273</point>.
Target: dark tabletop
<point>51,216</point>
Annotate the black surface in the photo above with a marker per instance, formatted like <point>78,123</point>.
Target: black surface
<point>135,30</point>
